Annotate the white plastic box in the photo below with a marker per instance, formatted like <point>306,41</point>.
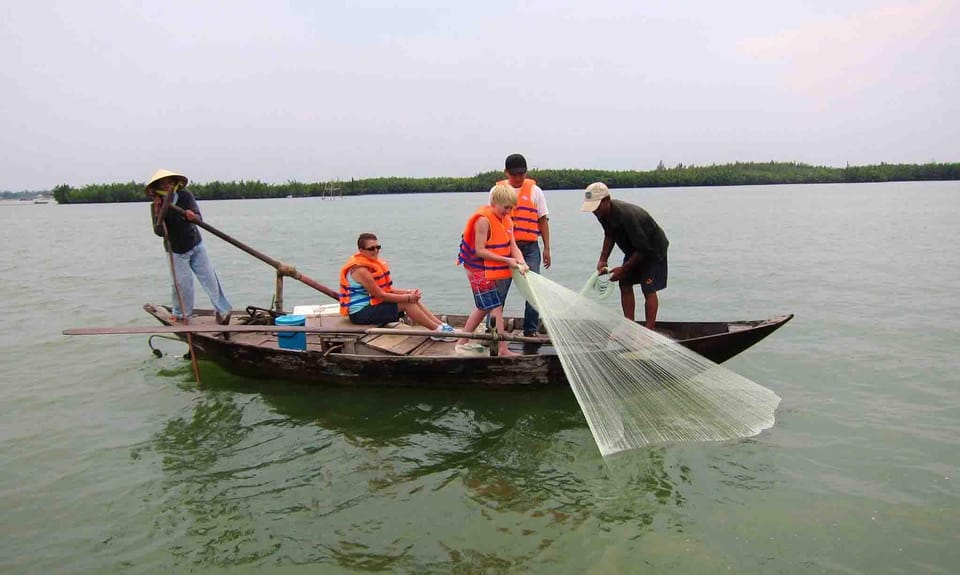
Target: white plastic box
<point>313,313</point>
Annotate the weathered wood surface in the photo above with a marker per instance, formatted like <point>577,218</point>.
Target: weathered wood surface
<point>214,328</point>
<point>396,344</point>
<point>339,353</point>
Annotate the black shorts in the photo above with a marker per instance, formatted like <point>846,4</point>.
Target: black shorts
<point>381,313</point>
<point>651,274</point>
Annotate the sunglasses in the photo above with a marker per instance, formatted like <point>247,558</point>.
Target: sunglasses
<point>372,248</point>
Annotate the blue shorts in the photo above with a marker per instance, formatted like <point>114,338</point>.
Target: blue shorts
<point>651,274</point>
<point>485,295</point>
<point>381,313</point>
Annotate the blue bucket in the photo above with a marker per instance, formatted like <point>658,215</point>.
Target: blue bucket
<point>292,339</point>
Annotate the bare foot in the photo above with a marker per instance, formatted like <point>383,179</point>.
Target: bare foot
<point>506,353</point>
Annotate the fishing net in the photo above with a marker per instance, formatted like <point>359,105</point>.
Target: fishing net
<point>637,387</point>
<point>597,286</point>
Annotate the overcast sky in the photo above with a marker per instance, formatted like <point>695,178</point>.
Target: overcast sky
<point>313,90</point>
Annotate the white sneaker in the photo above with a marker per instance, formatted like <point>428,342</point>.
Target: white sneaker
<point>443,328</point>
<point>470,349</point>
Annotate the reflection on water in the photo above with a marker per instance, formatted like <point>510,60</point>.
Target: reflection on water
<point>858,476</point>
<point>383,479</point>
<point>206,480</point>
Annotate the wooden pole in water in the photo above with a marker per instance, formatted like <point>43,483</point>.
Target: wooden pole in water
<point>282,268</point>
<point>168,203</point>
<point>278,297</point>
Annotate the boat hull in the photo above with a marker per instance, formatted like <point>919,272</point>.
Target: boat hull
<point>717,341</point>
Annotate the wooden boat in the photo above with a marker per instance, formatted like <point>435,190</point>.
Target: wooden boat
<point>340,352</point>
<point>337,351</point>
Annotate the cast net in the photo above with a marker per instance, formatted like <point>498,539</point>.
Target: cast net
<point>638,387</point>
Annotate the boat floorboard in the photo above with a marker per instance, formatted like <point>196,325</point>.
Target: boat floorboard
<point>396,345</point>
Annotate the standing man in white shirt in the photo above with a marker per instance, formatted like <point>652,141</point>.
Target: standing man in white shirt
<point>531,222</point>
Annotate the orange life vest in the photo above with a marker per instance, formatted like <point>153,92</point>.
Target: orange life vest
<point>526,219</point>
<point>350,295</point>
<point>498,242</point>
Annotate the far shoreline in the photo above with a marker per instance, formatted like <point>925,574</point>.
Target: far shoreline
<point>680,176</point>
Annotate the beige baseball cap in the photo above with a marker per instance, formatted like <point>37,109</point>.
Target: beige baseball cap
<point>593,196</point>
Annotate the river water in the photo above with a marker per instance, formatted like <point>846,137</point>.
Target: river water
<point>115,461</point>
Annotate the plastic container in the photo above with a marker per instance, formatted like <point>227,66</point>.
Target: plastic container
<point>311,312</point>
<point>330,309</point>
<point>292,339</point>
<point>307,310</point>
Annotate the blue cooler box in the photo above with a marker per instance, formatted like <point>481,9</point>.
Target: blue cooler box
<point>292,339</point>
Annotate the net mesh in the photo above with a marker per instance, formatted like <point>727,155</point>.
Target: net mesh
<point>638,387</point>
<point>597,286</point>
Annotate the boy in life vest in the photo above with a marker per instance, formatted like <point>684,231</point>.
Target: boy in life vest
<point>531,224</point>
<point>488,252</point>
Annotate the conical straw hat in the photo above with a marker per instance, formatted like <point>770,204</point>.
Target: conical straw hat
<point>161,174</point>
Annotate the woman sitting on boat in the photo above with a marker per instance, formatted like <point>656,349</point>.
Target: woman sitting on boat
<point>367,294</point>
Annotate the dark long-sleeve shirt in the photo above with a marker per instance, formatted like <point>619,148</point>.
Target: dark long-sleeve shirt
<point>634,230</point>
<point>184,236</point>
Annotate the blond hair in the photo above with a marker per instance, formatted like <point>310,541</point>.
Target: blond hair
<point>503,195</point>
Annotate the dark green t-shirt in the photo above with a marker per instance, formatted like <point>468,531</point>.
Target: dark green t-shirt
<point>634,230</point>
<point>184,235</point>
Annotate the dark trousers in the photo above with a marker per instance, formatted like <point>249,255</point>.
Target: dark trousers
<point>531,254</point>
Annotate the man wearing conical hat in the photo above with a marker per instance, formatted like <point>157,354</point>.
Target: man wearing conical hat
<point>182,239</point>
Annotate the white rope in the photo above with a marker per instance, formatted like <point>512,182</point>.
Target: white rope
<point>637,387</point>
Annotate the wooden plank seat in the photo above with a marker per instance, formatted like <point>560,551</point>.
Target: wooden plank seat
<point>396,344</point>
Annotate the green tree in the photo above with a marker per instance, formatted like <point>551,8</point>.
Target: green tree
<point>61,193</point>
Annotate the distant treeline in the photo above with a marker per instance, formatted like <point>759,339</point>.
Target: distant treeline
<point>738,174</point>
<point>24,195</point>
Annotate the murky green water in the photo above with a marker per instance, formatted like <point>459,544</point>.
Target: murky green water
<point>114,461</point>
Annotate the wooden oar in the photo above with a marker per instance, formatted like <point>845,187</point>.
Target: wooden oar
<point>281,267</point>
<point>167,204</point>
<point>194,328</point>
